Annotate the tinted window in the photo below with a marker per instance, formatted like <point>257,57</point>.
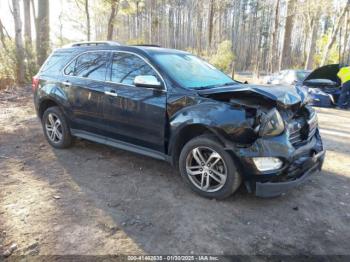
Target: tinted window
<point>125,67</point>
<point>89,65</point>
<point>55,63</point>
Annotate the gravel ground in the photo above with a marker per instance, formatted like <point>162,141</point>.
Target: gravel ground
<point>93,199</point>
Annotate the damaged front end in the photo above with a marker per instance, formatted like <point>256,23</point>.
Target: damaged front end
<point>286,146</point>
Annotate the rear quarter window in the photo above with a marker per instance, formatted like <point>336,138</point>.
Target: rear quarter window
<point>55,63</point>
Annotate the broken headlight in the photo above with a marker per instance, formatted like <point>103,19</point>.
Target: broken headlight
<point>271,124</point>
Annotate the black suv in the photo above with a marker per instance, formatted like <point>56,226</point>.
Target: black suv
<point>171,105</point>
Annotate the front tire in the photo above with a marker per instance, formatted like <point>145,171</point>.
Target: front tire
<point>209,170</point>
<point>55,128</point>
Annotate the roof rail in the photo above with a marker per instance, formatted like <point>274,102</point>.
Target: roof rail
<point>93,43</point>
<point>151,45</point>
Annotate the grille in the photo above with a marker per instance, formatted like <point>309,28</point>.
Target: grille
<point>301,131</point>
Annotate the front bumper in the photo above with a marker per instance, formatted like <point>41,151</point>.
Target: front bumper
<point>304,169</point>
<point>298,163</point>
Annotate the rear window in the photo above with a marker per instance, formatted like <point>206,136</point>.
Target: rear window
<point>55,63</point>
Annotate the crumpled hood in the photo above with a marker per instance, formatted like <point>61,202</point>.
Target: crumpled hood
<point>283,95</point>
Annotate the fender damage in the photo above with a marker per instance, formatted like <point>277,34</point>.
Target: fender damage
<point>236,113</point>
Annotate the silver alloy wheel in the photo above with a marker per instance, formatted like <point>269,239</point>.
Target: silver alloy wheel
<point>206,169</point>
<point>53,128</point>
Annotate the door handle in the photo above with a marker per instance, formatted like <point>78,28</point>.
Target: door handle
<point>111,93</point>
<point>66,83</point>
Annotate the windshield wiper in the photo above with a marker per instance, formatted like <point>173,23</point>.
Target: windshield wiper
<point>202,87</point>
<point>214,86</point>
<point>228,84</point>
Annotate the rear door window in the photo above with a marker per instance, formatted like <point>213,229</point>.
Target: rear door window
<point>92,65</point>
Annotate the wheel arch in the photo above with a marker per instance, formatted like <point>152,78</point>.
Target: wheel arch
<point>185,134</point>
<point>45,104</point>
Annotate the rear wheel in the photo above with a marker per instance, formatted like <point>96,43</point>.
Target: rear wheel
<point>208,168</point>
<point>56,128</point>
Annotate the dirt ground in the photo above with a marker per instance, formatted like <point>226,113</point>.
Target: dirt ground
<point>93,199</point>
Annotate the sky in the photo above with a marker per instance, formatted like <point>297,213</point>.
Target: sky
<point>55,9</point>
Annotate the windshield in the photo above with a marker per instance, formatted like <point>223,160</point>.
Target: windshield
<point>191,72</point>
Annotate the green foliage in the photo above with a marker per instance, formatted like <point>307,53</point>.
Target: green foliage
<point>132,6</point>
<point>224,56</point>
<point>8,61</point>
<point>30,63</point>
<point>333,57</point>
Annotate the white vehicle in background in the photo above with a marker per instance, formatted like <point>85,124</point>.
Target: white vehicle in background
<point>287,77</point>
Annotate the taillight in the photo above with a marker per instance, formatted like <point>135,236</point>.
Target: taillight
<point>35,83</point>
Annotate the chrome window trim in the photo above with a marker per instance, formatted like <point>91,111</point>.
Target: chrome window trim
<point>106,81</point>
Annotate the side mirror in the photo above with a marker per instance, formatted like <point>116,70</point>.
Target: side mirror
<point>147,81</point>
